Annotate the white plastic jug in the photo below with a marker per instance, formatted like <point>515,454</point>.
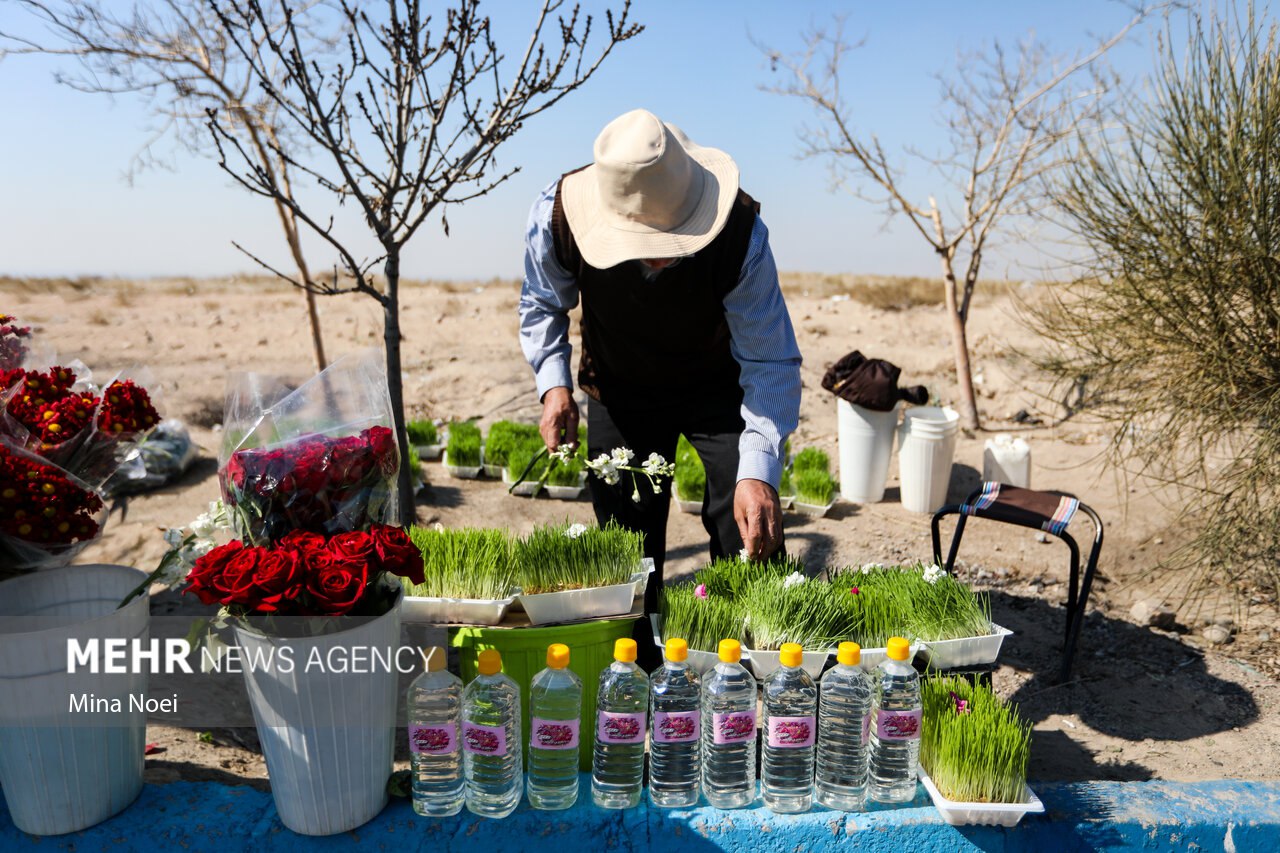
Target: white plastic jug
<point>865,443</point>
<point>926,446</point>
<point>1006,459</point>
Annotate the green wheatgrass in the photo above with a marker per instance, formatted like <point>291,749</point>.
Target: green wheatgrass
<point>464,444</point>
<point>811,459</point>
<point>811,613</point>
<point>567,473</point>
<point>691,476</point>
<point>549,560</point>
<point>421,433</point>
<point>897,601</point>
<point>700,622</point>
<point>785,486</point>
<point>975,752</point>
<point>466,563</point>
<point>730,576</point>
<point>521,457</point>
<point>813,486</point>
<point>506,436</point>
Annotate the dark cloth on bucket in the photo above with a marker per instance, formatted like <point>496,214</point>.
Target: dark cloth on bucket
<point>871,383</point>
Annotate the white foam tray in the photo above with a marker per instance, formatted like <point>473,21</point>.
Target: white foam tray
<point>813,510</point>
<point>564,493</point>
<point>454,611</point>
<point>525,489</point>
<point>966,651</point>
<point>691,507</point>
<point>429,452</point>
<point>980,814</point>
<point>462,472</point>
<point>575,605</point>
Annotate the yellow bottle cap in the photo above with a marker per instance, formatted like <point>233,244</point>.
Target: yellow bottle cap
<point>849,654</point>
<point>434,657</point>
<point>624,650</point>
<point>898,648</point>
<point>557,655</point>
<point>489,662</point>
<point>730,651</point>
<point>677,650</point>
<point>791,654</point>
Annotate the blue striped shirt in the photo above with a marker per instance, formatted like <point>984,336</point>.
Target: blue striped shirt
<point>762,339</point>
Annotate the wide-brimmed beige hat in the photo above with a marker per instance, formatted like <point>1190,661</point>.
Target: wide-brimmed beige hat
<point>651,193</point>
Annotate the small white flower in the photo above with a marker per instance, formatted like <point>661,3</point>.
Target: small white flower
<point>173,538</point>
<point>656,466</point>
<point>208,523</point>
<point>573,531</point>
<point>868,568</point>
<point>744,555</point>
<point>635,494</point>
<point>563,453</point>
<point>793,579</point>
<point>622,455</point>
<point>933,573</point>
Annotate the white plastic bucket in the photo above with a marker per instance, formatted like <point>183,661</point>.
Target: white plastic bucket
<point>926,446</point>
<point>865,443</point>
<point>327,736</point>
<point>63,771</point>
<point>1006,459</point>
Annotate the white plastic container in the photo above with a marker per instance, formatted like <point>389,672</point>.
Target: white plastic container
<point>926,446</point>
<point>462,472</point>
<point>691,507</point>
<point>430,452</point>
<point>701,661</point>
<point>62,772</point>
<point>491,469</point>
<point>328,737</point>
<point>574,605</point>
<point>865,443</point>
<point>980,814</point>
<point>813,510</point>
<point>564,493</point>
<point>764,663</point>
<point>525,489</point>
<point>1006,459</point>
<point>455,611</point>
<point>966,651</point>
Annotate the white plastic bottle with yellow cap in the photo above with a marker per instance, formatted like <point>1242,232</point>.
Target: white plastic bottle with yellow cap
<point>555,716</point>
<point>492,760</point>
<point>896,715</point>
<point>844,725</point>
<point>675,761</point>
<point>789,732</point>
<point>729,731</point>
<point>435,741</point>
<point>622,721</point>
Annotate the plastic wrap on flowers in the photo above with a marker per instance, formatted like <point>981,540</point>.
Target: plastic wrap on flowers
<point>61,416</point>
<point>47,515</point>
<point>321,457</point>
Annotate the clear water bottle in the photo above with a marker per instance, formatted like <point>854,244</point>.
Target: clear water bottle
<point>844,724</point>
<point>729,731</point>
<point>435,756</point>
<point>492,763</point>
<point>789,733</point>
<point>555,711</point>
<point>622,720</point>
<point>675,760</point>
<point>894,742</point>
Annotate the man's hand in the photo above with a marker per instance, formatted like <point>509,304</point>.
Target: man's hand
<point>759,516</point>
<point>559,423</point>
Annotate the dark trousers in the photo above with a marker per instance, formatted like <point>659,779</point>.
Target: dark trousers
<point>714,426</point>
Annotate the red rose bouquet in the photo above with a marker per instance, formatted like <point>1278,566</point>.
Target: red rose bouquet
<point>306,574</point>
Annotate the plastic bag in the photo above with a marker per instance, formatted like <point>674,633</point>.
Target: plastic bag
<point>321,457</point>
<point>47,515</point>
<point>159,459</point>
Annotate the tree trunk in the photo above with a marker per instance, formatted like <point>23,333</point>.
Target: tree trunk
<point>395,384</point>
<point>967,407</point>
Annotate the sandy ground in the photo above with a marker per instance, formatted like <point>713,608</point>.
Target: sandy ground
<point>1141,703</point>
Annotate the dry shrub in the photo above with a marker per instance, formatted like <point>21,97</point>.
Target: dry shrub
<point>887,293</point>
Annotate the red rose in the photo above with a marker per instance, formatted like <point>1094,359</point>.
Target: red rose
<point>336,588</point>
<point>278,578</point>
<point>311,546</point>
<point>236,581</point>
<point>355,546</point>
<point>205,576</point>
<point>396,552</point>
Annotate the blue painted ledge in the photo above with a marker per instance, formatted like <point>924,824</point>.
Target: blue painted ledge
<point>1233,817</point>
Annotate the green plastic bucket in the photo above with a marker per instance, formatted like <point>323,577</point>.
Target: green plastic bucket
<point>524,655</point>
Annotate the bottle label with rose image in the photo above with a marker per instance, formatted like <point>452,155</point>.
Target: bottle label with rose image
<point>433,740</point>
<point>621,728</point>
<point>484,740</point>
<point>734,727</point>
<point>677,726</point>
<point>791,732</point>
<point>553,734</point>
<point>898,725</point>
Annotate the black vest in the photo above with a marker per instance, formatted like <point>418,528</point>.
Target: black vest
<point>665,340</point>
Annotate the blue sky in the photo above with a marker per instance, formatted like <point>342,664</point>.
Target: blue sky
<point>67,210</point>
